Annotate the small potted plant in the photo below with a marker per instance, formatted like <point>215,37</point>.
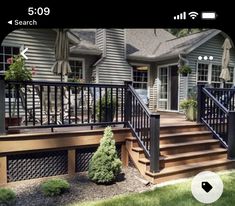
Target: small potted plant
<point>190,108</point>
<point>105,110</point>
<point>16,72</point>
<point>185,70</point>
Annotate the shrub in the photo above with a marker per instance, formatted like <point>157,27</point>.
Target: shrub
<point>185,104</point>
<point>54,187</point>
<point>105,164</point>
<point>7,196</point>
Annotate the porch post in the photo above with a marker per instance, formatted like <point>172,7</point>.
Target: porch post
<point>200,103</point>
<point>231,135</point>
<point>2,104</point>
<point>154,142</point>
<point>127,105</point>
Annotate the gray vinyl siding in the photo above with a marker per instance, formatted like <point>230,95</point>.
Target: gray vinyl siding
<point>213,47</point>
<point>99,38</point>
<point>113,68</point>
<point>41,43</point>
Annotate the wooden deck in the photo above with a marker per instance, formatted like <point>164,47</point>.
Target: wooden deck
<point>166,119</point>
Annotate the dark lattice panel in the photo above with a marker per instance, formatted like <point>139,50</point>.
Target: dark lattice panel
<point>35,165</point>
<point>84,155</point>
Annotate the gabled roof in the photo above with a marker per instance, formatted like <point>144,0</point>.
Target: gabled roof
<point>87,42</point>
<point>147,44</point>
<point>143,42</point>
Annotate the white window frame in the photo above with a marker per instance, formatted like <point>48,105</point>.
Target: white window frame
<point>210,64</point>
<point>20,46</point>
<point>148,75</point>
<point>83,64</point>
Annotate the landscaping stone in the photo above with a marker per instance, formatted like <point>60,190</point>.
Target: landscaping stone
<point>82,189</point>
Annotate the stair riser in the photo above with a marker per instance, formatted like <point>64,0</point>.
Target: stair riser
<point>193,172</point>
<point>190,160</point>
<point>176,129</point>
<point>184,138</point>
<point>189,148</point>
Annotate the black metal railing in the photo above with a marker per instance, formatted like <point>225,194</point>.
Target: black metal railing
<point>44,104</point>
<point>47,104</point>
<point>216,111</point>
<point>145,126</point>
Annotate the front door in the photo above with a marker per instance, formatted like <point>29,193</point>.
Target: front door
<point>168,88</point>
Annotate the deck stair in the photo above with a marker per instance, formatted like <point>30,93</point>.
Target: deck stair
<point>185,150</point>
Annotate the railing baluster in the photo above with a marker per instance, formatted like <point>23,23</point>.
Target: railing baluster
<point>88,104</point>
<point>9,99</point>
<point>34,113</point>
<point>48,104</point>
<point>55,89</point>
<point>117,100</point>
<point>122,104</point>
<point>41,103</point>
<point>82,97</point>
<point>106,104</point>
<point>100,103</point>
<point>69,102</point>
<point>76,105</point>
<point>94,104</point>
<point>18,102</point>
<point>26,105</point>
<point>111,104</point>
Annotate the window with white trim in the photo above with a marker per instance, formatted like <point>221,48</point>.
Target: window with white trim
<point>202,72</point>
<point>7,52</point>
<point>140,77</point>
<point>77,68</point>
<point>211,73</point>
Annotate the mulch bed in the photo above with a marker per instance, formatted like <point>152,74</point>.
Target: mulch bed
<point>82,189</point>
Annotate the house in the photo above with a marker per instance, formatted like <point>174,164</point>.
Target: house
<point>148,57</point>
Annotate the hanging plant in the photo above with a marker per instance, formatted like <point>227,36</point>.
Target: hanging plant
<point>185,70</point>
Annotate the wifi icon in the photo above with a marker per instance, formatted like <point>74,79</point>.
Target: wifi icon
<point>193,14</point>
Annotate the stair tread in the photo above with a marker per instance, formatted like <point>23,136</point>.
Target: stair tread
<point>185,134</point>
<point>185,167</point>
<point>163,146</point>
<point>195,153</point>
<point>137,149</point>
<point>182,125</point>
<point>131,138</point>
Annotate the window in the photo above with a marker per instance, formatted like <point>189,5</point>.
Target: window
<point>5,53</point>
<point>77,67</point>
<point>202,72</point>
<point>140,77</point>
<point>211,73</point>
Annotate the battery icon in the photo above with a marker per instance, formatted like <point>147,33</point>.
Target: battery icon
<point>209,15</point>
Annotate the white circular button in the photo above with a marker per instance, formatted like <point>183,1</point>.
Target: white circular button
<point>207,187</point>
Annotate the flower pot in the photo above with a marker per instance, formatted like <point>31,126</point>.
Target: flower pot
<point>191,113</point>
<point>110,114</point>
<point>13,121</point>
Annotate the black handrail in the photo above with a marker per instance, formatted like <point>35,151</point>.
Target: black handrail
<point>145,126</point>
<point>218,116</point>
<point>222,107</point>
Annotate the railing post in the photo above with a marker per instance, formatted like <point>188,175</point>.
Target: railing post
<point>127,105</point>
<point>200,103</point>
<point>154,142</point>
<point>2,104</point>
<point>231,135</point>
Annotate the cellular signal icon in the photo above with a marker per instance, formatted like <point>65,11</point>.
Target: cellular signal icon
<point>180,16</point>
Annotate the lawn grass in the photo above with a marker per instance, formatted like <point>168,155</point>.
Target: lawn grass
<point>172,195</point>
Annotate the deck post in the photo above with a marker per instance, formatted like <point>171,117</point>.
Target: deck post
<point>71,162</point>
<point>2,104</point>
<point>231,135</point>
<point>200,103</point>
<point>154,142</point>
<point>127,105</point>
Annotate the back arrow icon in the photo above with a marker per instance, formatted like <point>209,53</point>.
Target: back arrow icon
<point>23,53</point>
